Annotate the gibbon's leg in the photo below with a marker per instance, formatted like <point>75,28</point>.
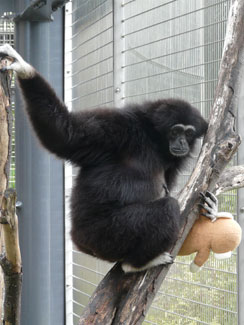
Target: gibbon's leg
<point>162,259</point>
<point>150,230</point>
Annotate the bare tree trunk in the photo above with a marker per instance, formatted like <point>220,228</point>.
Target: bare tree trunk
<point>11,259</point>
<point>125,299</point>
<point>5,142</point>
<point>5,128</point>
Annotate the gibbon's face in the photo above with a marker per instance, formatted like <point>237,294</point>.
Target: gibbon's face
<point>181,138</point>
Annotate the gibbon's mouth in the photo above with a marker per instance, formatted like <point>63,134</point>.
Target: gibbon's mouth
<point>178,152</point>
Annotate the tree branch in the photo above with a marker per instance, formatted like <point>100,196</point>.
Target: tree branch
<point>231,179</point>
<point>125,299</point>
<point>6,122</point>
<point>11,260</point>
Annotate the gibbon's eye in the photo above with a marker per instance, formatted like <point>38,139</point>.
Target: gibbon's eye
<point>174,133</point>
<point>190,132</point>
<point>176,130</point>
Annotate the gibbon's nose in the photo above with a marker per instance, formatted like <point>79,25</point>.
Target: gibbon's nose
<point>182,141</point>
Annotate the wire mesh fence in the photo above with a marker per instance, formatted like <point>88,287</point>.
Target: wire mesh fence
<point>7,36</point>
<point>131,51</point>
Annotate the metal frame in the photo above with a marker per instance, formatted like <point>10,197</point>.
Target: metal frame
<point>40,10</point>
<point>118,46</point>
<point>240,203</point>
<point>39,182</point>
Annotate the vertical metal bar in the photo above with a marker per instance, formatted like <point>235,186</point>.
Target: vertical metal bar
<point>240,205</point>
<point>39,180</point>
<point>119,95</point>
<point>68,170</point>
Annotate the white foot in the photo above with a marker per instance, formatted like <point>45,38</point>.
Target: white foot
<point>23,69</point>
<point>165,258</point>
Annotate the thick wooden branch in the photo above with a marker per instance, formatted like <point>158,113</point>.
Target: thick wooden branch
<point>5,127</point>
<point>231,179</point>
<point>10,261</point>
<point>125,299</point>
<point>10,230</point>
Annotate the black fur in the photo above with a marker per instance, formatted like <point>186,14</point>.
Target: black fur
<point>118,212</point>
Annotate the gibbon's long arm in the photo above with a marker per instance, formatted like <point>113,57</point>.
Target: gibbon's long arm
<point>49,117</point>
<point>82,137</point>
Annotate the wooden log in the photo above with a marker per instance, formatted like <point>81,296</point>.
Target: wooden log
<point>5,147</point>
<point>11,259</point>
<point>125,299</point>
<point>6,121</point>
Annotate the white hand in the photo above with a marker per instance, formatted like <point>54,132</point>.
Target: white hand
<point>20,66</point>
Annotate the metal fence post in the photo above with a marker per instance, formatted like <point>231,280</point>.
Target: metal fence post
<point>39,180</point>
<point>240,206</point>
<point>118,55</point>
